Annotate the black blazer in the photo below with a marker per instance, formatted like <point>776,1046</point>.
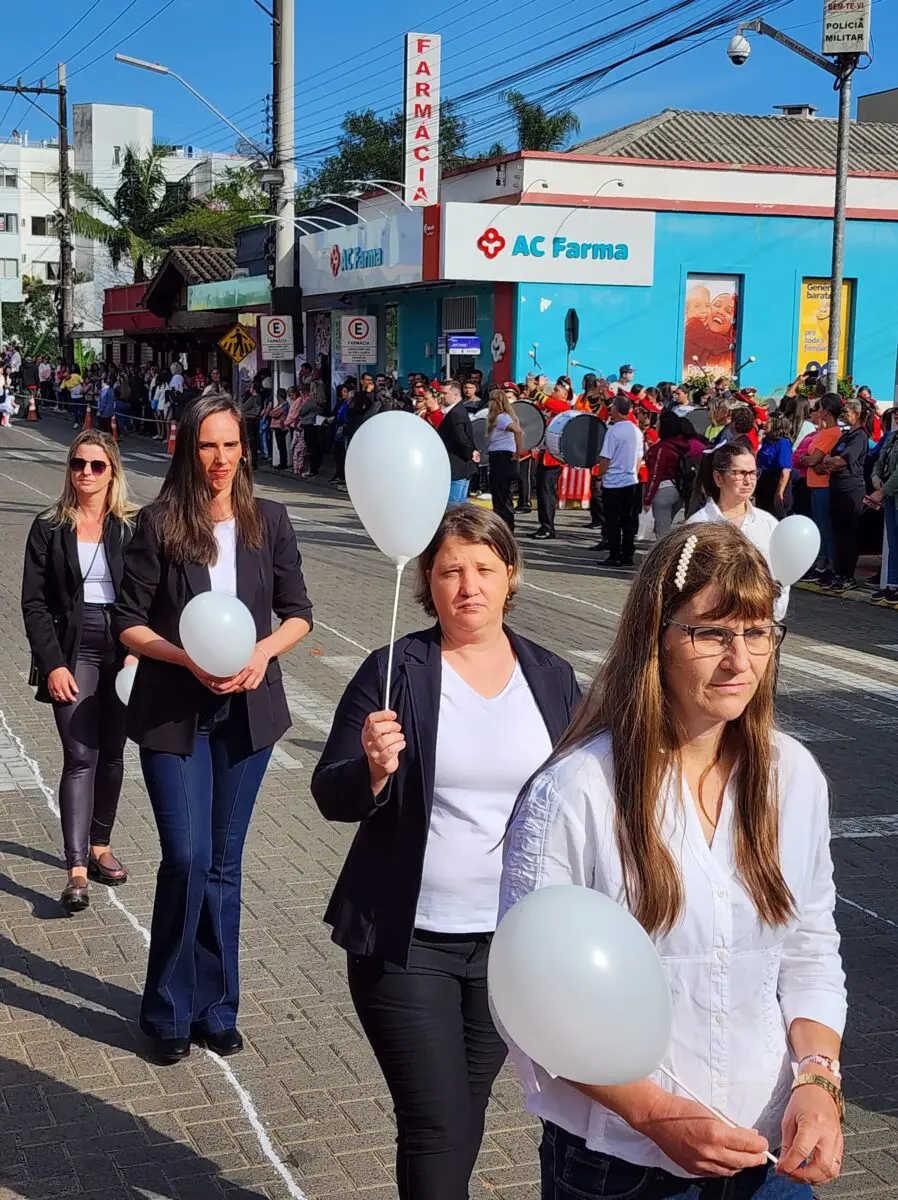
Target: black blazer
<point>53,593</point>
<point>166,699</point>
<point>458,438</point>
<point>372,909</point>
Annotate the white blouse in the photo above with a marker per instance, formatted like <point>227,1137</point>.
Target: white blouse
<point>737,985</point>
<point>758,527</point>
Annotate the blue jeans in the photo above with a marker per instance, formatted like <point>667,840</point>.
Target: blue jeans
<point>823,521</point>
<point>890,508</point>
<point>202,803</point>
<point>569,1169</point>
<point>458,492</point>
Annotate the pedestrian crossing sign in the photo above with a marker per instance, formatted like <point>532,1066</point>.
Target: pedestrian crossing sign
<point>238,343</point>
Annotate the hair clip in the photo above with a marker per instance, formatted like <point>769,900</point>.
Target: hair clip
<point>685,559</point>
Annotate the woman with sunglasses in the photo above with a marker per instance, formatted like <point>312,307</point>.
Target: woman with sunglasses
<point>728,476</point>
<point>72,576</point>
<point>205,742</point>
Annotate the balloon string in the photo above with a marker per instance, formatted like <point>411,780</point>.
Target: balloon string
<point>714,1111</point>
<point>400,565</point>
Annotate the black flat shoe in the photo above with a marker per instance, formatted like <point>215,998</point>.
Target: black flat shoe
<point>223,1043</point>
<point>542,534</point>
<point>75,897</point>
<point>107,869</point>
<point>165,1052</point>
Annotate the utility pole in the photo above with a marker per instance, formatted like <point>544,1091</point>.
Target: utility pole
<point>283,158</point>
<point>66,306</point>
<point>847,64</point>
<point>66,273</point>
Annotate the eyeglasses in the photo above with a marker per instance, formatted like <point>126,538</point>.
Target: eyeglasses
<point>744,476</point>
<point>713,641</point>
<point>96,466</point>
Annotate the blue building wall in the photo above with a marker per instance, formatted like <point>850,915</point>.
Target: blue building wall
<point>644,326</point>
<point>419,325</point>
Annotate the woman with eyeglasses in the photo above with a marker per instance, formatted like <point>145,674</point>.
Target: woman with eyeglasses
<point>729,475</point>
<point>673,793</point>
<point>72,576</point>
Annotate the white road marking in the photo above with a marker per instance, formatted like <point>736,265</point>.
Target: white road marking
<point>850,681</point>
<point>153,458</point>
<point>611,612</point>
<point>867,911</point>
<point>282,758</point>
<point>246,1101</point>
<point>22,483</point>
<point>865,827</point>
<point>860,658</point>
<point>337,633</point>
<point>308,706</point>
<point>806,731</point>
<point>888,646</point>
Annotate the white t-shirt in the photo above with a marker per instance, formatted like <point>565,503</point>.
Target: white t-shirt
<point>44,372</point>
<point>623,445</point>
<point>502,437</point>
<point>486,750</point>
<point>98,585</point>
<point>758,527</point>
<point>223,575</point>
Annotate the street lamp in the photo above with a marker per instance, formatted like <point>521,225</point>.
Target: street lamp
<point>160,69</point>
<point>379,183</point>
<point>842,70</point>
<point>567,216</point>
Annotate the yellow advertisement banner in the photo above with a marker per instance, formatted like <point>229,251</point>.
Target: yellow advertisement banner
<point>813,323</point>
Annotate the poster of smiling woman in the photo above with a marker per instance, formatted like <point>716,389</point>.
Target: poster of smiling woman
<point>709,340</point>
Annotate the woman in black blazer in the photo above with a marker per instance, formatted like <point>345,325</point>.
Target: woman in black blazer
<point>205,742</point>
<point>474,711</point>
<point>72,575</point>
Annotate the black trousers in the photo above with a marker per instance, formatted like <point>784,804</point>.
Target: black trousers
<point>525,486</point>
<point>597,503</point>
<point>340,461</point>
<point>547,494</point>
<point>280,437</point>
<point>430,1028</point>
<point>621,519</point>
<point>503,473</point>
<point>314,435</point>
<point>92,730</point>
<point>845,510</point>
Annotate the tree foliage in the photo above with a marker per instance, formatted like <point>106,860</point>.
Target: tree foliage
<point>215,219</point>
<point>372,147</point>
<point>537,129</point>
<point>31,324</point>
<point>133,223</point>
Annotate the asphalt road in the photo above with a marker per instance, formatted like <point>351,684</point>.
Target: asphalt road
<point>304,1111</point>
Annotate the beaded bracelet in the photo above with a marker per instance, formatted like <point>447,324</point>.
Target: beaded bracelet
<point>822,1060</point>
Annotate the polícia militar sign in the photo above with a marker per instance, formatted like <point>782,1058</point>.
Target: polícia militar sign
<point>542,244</point>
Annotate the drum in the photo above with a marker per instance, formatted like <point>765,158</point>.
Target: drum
<point>532,423</point>
<point>478,429</point>
<point>575,438</point>
<point>699,419</point>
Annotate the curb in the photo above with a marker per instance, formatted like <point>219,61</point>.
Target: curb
<point>861,596</point>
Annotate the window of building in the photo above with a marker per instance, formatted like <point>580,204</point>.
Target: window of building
<point>42,226</point>
<point>39,181</point>
<point>459,314</point>
<point>9,181</point>
<point>9,268</point>
<point>9,223</point>
<point>52,271</point>
<point>116,156</point>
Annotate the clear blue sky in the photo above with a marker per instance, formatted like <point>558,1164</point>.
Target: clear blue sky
<point>350,56</point>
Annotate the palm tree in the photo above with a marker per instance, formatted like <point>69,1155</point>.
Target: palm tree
<point>133,222</point>
<point>538,129</point>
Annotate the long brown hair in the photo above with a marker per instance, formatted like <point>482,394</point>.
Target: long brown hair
<point>181,511</point>
<point>499,403</point>
<point>628,701</point>
<point>65,510</point>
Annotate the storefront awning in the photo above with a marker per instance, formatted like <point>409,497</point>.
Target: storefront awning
<point>253,291</point>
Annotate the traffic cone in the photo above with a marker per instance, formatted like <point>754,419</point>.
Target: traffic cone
<point>88,418</point>
<point>114,429</point>
<point>31,415</point>
<point>172,434</point>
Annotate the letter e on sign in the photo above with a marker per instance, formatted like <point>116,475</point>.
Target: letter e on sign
<point>276,338</point>
<point>358,341</point>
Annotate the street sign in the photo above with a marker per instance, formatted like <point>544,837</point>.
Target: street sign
<point>571,329</point>
<point>237,343</point>
<point>463,344</point>
<point>442,344</point>
<point>276,338</point>
<point>846,26</point>
<point>359,340</point>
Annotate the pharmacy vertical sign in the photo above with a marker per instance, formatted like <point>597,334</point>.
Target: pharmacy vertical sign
<point>422,118</point>
<point>846,26</point>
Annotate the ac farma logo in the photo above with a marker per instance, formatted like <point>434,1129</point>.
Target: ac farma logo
<point>491,243</point>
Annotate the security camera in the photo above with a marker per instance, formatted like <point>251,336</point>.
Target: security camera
<point>739,50</point>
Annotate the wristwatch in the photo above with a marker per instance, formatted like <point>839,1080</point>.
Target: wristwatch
<point>827,1085</point>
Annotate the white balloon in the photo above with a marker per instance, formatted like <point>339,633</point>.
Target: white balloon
<point>398,476</point>
<point>794,546</point>
<point>218,632</point>
<point>124,682</point>
<point>579,987</point>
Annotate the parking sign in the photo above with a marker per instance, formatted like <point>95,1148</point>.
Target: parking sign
<point>359,340</point>
<point>276,338</point>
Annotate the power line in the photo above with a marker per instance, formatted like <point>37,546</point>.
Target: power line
<point>71,29</point>
<point>130,34</point>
